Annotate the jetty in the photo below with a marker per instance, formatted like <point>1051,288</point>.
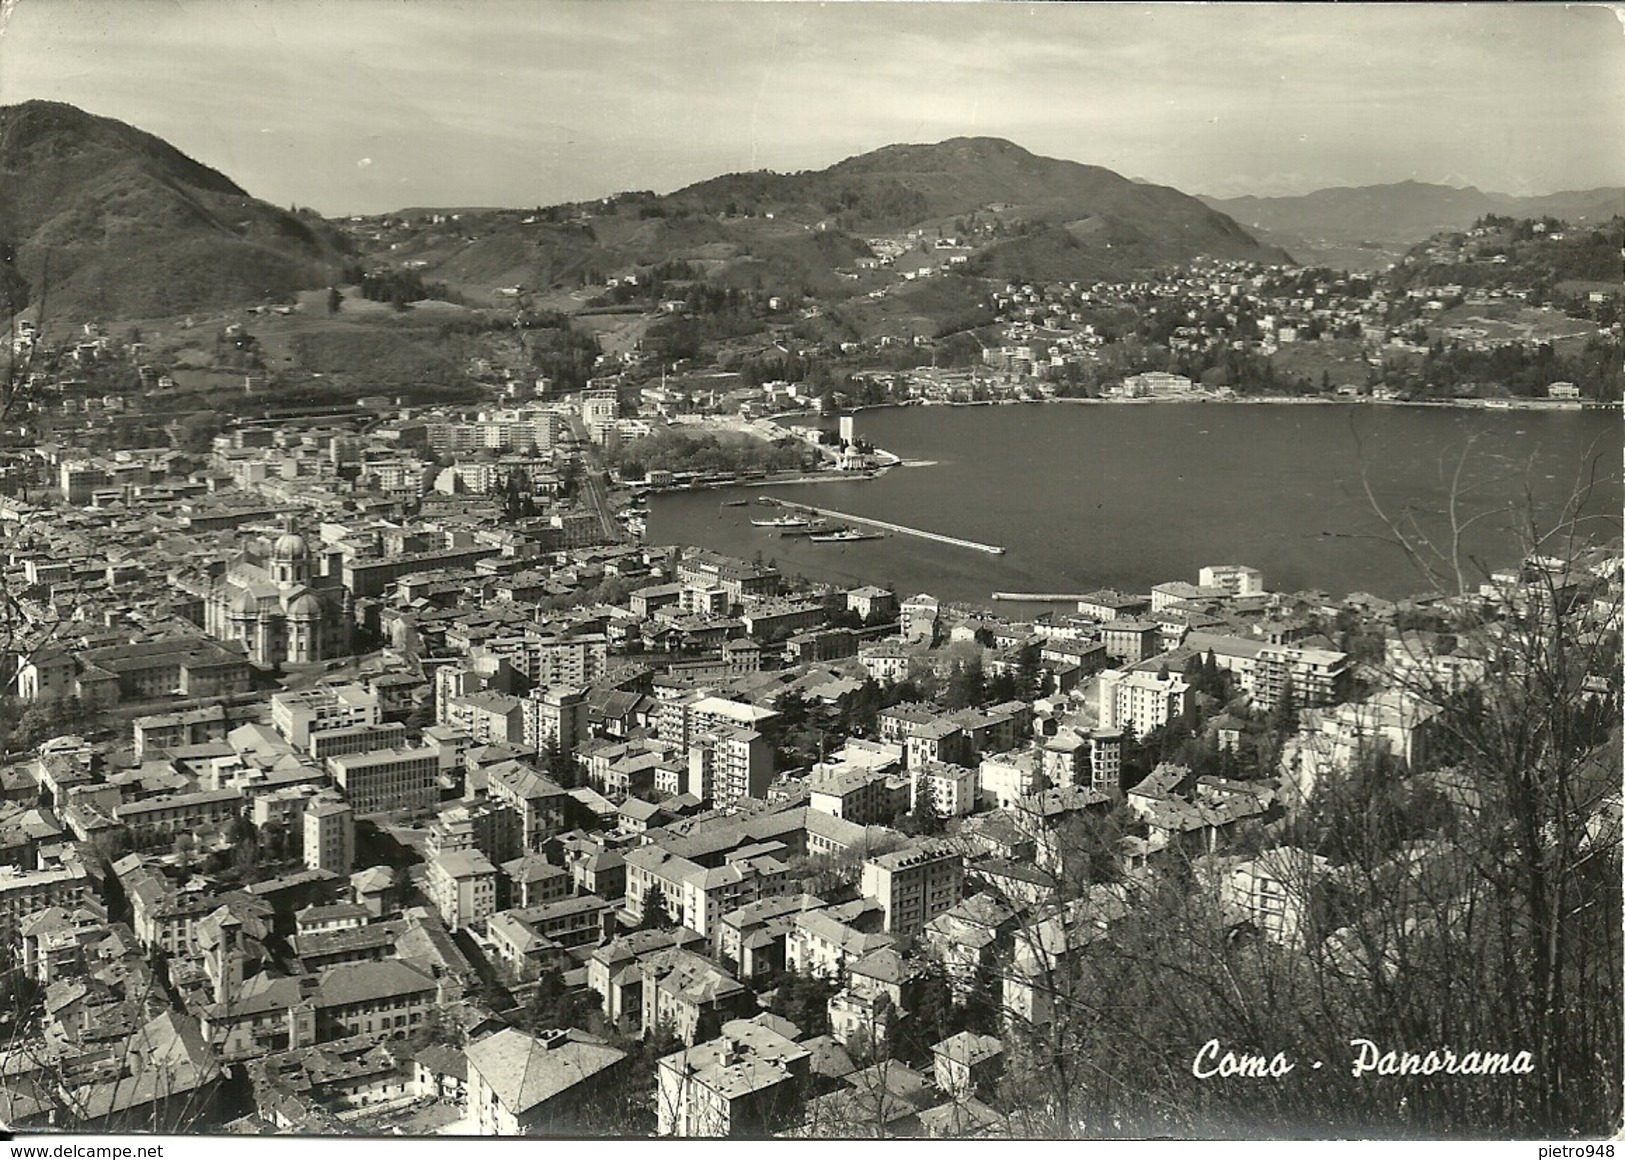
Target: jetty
<point>900,529</point>
<point>1042,597</point>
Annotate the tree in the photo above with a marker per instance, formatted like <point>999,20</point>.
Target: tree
<point>1283,717</point>
<point>966,684</point>
<point>921,822</point>
<point>804,1000</point>
<point>195,433</point>
<point>1471,908</point>
<point>860,711</point>
<point>654,909</point>
<point>55,717</point>
<point>1028,673</point>
<point>552,1005</point>
<point>560,766</point>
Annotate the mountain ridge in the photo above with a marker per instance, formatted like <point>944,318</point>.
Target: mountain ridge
<point>108,220</point>
<point>112,221</point>
<point>1405,212</point>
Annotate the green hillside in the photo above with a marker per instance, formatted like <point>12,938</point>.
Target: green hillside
<point>109,222</point>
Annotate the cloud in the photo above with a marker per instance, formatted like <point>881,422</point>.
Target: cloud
<point>363,163</point>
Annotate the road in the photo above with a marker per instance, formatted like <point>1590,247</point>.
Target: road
<point>595,480</point>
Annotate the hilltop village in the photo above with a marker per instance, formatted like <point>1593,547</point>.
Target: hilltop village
<point>373,776</point>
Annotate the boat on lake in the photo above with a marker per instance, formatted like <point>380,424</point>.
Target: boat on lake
<point>736,503</point>
<point>780,522</point>
<point>845,536</point>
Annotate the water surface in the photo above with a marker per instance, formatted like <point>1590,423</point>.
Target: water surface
<point>1088,496</point>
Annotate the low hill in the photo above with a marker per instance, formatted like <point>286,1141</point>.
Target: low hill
<point>971,182</point>
<point>108,221</point>
<point>1008,214</point>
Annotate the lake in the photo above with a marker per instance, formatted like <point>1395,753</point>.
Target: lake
<point>1127,496</point>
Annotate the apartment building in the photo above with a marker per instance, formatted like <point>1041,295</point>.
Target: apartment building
<point>822,942</point>
<point>555,717</point>
<point>1236,579</point>
<point>726,764</point>
<point>28,892</point>
<point>297,716</point>
<point>1129,641</point>
<point>948,791</point>
<point>743,1083</point>
<point>540,802</point>
<point>484,824</point>
<point>708,894</point>
<point>863,795</point>
<point>169,730</point>
<point>553,659</point>
<point>489,718</point>
<point>525,1085</point>
<point>388,779</point>
<point>939,741</point>
<point>1004,780</point>
<point>329,826</point>
<point>1140,700</point>
<point>737,578</point>
<point>462,884</point>
<point>158,821</point>
<point>1317,676</point>
<point>914,885</point>
<point>356,739</point>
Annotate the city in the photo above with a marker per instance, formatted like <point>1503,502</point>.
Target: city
<point>372,767</point>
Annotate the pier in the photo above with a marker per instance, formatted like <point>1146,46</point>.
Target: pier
<point>900,529</point>
<point>1042,597</point>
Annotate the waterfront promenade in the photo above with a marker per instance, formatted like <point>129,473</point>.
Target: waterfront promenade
<point>1042,597</point>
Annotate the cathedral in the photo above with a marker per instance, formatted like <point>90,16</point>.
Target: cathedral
<point>279,607</point>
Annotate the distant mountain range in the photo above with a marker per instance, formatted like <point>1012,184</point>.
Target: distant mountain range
<point>112,222</point>
<point>1401,214</point>
<point>107,221</point>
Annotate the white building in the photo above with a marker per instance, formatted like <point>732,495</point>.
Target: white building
<point>463,887</point>
<point>330,836</point>
<point>949,791</point>
<point>1141,701</point>
<point>1007,779</point>
<point>1236,579</point>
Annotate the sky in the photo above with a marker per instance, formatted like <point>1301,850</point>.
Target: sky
<point>367,106</point>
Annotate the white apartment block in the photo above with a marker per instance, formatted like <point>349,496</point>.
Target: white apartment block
<point>463,886</point>
<point>1141,701</point>
<point>949,791</point>
<point>330,836</point>
<point>298,715</point>
<point>1318,676</point>
<point>726,764</point>
<point>1005,780</point>
<point>1236,579</point>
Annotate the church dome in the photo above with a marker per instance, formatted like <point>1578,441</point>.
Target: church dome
<point>305,607</point>
<point>289,546</point>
